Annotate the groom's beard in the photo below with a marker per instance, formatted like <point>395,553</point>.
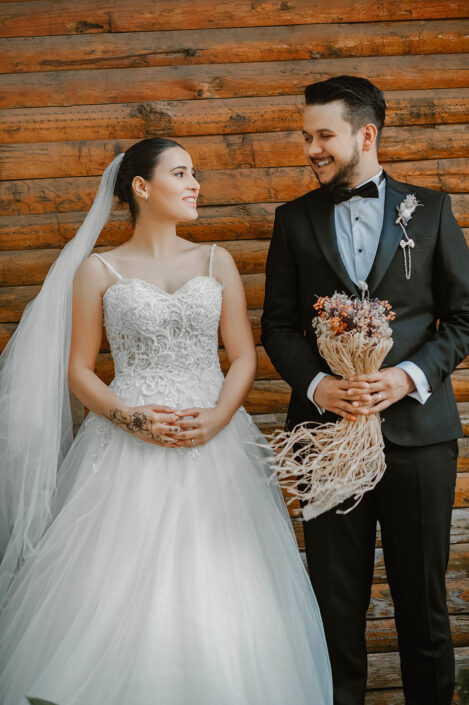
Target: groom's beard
<point>345,173</point>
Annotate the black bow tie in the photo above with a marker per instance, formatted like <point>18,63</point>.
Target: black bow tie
<point>342,193</point>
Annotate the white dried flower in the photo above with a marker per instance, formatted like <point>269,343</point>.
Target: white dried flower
<point>406,208</point>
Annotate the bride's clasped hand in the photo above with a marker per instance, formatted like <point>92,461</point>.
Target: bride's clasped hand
<point>171,428</point>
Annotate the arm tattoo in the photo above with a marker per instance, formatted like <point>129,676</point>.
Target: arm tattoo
<point>137,422</point>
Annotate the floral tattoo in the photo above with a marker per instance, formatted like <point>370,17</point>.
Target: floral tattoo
<point>137,422</point>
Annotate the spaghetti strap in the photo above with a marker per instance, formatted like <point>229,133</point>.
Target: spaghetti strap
<point>106,264</point>
<point>212,250</point>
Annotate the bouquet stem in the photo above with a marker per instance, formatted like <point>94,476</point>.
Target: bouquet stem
<point>323,465</point>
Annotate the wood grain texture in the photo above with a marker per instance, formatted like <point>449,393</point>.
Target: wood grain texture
<point>275,420</point>
<point>242,221</point>
<point>44,17</point>
<point>458,564</point>
<point>266,149</point>
<point>254,315</point>
<point>276,391</point>
<point>265,369</point>
<point>224,186</point>
<point>384,669</point>
<point>221,223</point>
<point>394,696</point>
<point>194,47</point>
<point>253,79</point>
<point>136,120</point>
<point>26,267</point>
<point>381,634</point>
<point>14,299</point>
<point>381,605</point>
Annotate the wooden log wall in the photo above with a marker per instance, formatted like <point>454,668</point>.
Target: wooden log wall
<point>80,82</point>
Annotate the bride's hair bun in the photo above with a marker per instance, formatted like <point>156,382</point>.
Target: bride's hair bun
<point>139,160</point>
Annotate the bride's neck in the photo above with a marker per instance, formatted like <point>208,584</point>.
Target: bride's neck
<point>157,238</point>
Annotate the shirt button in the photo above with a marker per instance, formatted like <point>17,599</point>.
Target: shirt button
<point>360,251</point>
<point>357,218</point>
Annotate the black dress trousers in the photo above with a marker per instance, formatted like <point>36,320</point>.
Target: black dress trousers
<point>412,504</point>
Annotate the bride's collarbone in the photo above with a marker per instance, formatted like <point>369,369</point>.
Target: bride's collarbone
<point>157,275</point>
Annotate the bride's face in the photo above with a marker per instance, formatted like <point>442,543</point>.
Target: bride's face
<point>173,188</point>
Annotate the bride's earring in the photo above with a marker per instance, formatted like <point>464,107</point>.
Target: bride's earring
<point>146,197</point>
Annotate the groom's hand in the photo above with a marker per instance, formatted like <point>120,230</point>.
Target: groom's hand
<point>344,397</point>
<point>384,388</point>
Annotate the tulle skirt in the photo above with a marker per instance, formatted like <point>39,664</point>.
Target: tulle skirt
<point>167,577</point>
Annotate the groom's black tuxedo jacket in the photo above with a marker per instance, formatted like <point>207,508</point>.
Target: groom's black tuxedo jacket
<point>431,327</point>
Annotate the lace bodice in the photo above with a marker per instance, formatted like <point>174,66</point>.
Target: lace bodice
<point>165,345</point>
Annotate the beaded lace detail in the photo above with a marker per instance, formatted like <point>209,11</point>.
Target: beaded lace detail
<point>165,344</point>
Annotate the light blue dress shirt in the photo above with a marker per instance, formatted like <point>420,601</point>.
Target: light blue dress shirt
<point>358,225</point>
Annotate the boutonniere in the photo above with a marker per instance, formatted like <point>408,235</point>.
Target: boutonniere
<point>405,210</point>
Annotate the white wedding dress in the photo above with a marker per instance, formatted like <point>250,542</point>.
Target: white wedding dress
<point>168,576</point>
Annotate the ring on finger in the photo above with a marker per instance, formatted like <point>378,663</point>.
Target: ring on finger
<point>193,442</point>
<point>380,397</point>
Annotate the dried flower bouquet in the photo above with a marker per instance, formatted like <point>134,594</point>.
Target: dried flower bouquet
<point>325,464</point>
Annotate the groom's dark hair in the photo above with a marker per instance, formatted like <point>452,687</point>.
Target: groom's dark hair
<point>363,101</point>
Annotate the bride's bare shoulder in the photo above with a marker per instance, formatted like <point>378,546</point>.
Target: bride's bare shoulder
<point>92,272</point>
<point>224,266</point>
<point>223,258</point>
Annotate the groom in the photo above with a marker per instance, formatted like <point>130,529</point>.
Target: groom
<point>327,241</point>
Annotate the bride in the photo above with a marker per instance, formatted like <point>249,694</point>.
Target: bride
<point>160,568</point>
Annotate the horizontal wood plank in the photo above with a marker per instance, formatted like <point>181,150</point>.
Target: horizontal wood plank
<point>14,299</point>
<point>241,44</point>
<point>246,221</point>
<point>460,381</point>
<point>219,187</point>
<point>389,696</point>
<point>382,606</point>
<point>384,671</point>
<point>381,635</point>
<point>230,116</point>
<point>269,149</point>
<point>254,315</point>
<point>100,86</point>
<point>45,17</point>
<point>26,267</point>
<point>265,369</point>
<point>273,396</point>
<point>458,565</point>
<point>224,186</point>
<point>222,223</point>
<point>273,421</point>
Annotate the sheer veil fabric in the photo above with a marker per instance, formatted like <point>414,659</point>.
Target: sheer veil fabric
<point>35,414</point>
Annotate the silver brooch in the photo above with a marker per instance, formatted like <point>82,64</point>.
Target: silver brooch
<point>405,210</point>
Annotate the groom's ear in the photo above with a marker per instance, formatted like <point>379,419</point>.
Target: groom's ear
<point>370,136</point>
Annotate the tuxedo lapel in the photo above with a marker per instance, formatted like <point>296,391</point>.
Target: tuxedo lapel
<point>321,213</point>
<point>391,233</point>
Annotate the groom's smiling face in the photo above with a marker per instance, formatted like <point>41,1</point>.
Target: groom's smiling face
<point>330,145</point>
